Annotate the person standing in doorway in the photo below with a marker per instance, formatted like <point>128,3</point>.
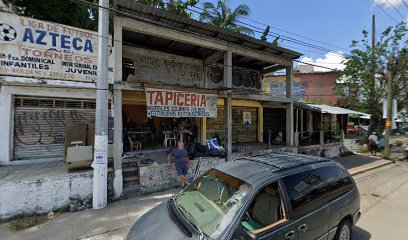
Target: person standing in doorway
<point>180,157</point>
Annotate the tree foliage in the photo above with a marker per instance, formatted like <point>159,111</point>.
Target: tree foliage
<point>221,15</point>
<point>179,7</point>
<point>365,92</point>
<point>80,15</point>
<point>265,33</point>
<point>59,11</point>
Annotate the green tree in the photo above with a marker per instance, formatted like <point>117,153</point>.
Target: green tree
<point>59,11</point>
<point>82,15</point>
<point>265,35</point>
<point>221,15</point>
<point>364,92</point>
<point>179,7</point>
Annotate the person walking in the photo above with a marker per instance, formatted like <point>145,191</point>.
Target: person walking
<point>373,143</point>
<point>180,157</point>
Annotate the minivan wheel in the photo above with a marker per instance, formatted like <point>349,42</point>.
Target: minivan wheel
<point>343,231</point>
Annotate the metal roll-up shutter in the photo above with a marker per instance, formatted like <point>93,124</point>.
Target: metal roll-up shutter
<point>40,123</point>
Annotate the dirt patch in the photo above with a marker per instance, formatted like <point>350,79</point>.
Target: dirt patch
<point>27,222</point>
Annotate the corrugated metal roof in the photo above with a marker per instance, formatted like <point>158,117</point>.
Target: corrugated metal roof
<point>306,106</point>
<point>332,110</point>
<point>338,110</point>
<point>181,23</point>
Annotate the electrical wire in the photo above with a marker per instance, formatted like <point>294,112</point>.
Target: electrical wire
<point>405,3</point>
<point>89,4</point>
<point>385,12</point>
<point>282,37</point>
<point>396,9</point>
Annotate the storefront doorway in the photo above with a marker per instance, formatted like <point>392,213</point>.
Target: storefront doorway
<point>143,133</point>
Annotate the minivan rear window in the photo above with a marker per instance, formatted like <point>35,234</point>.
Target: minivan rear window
<point>336,182</point>
<point>303,192</point>
<point>312,189</point>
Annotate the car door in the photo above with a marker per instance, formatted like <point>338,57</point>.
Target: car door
<point>283,229</point>
<point>310,213</point>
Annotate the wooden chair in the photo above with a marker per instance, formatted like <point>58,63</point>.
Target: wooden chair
<point>134,145</point>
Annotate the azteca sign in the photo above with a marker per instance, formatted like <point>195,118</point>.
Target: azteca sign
<point>169,103</point>
<point>34,48</point>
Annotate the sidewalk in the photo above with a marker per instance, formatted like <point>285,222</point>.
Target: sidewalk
<point>114,221</point>
<point>118,216</point>
<point>358,163</point>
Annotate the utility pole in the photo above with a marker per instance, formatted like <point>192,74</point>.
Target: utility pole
<point>388,122</point>
<point>373,48</point>
<point>373,59</point>
<point>100,162</point>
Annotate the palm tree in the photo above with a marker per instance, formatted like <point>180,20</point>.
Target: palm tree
<point>222,16</point>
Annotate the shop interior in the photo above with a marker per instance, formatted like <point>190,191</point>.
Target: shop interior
<point>143,134</point>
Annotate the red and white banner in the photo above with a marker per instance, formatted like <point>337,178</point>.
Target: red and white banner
<point>170,103</point>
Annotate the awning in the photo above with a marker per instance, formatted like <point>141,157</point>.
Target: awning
<point>306,106</point>
<point>332,110</point>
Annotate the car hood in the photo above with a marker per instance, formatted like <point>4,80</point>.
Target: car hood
<point>155,225</point>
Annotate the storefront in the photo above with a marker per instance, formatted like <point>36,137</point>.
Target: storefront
<point>158,118</point>
<point>40,125</point>
<point>246,122</point>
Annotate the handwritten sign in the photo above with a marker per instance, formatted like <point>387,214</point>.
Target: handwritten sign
<point>170,103</point>
<point>41,49</point>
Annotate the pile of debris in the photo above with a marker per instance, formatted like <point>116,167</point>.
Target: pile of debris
<point>78,204</point>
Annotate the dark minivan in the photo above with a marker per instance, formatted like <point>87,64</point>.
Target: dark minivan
<point>278,196</point>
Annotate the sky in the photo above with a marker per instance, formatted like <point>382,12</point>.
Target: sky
<point>332,22</point>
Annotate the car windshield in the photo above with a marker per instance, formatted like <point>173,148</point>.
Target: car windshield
<point>211,201</point>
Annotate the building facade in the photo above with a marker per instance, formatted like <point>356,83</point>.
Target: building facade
<point>171,78</point>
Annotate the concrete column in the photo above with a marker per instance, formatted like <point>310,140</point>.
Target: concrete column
<point>6,123</point>
<point>117,100</point>
<point>289,124</point>
<point>289,82</point>
<point>289,107</point>
<point>260,124</point>
<point>228,104</point>
<point>228,125</point>
<point>203,129</point>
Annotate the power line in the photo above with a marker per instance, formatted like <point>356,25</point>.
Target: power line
<point>385,12</point>
<point>396,9</point>
<point>405,3</point>
<point>292,33</point>
<point>283,37</point>
<point>89,4</point>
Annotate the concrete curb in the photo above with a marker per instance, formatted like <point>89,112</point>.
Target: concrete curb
<point>369,168</point>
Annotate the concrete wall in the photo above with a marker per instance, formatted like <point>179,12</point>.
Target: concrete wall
<point>42,195</point>
<point>308,87</point>
<point>330,150</point>
<point>46,194</point>
<point>155,178</point>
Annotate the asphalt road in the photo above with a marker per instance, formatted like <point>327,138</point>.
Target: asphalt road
<point>384,204</point>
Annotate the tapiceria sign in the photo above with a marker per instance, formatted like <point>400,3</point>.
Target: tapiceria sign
<point>34,48</point>
<point>170,103</point>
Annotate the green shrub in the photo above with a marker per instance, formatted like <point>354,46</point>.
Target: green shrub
<point>387,156</point>
<point>363,150</point>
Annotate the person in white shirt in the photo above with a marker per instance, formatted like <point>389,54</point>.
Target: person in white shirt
<point>373,143</point>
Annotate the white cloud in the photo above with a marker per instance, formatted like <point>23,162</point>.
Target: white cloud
<point>331,60</point>
<point>387,3</point>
